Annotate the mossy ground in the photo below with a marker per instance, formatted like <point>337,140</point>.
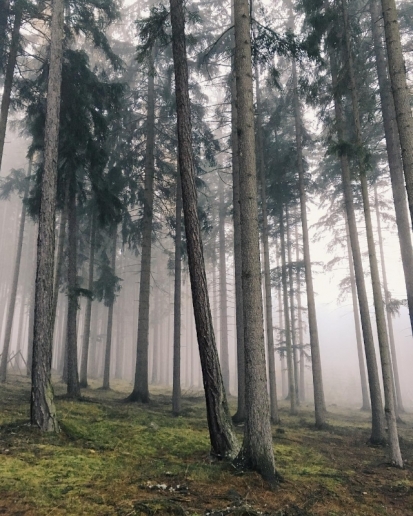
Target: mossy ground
<point>115,458</point>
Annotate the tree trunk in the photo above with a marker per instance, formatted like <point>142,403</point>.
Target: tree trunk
<point>319,400</point>
<point>393,153</point>
<point>141,389</point>
<point>384,347</point>
<point>223,293</point>
<point>257,452</point>
<point>284,381</point>
<point>43,412</point>
<point>86,334</point>
<point>73,387</point>
<point>401,94</point>
<point>108,348</point>
<point>13,293</point>
<point>156,366</point>
<point>300,320</point>
<point>387,297</point>
<point>275,418</point>
<point>176,388</point>
<point>223,440</point>
<point>378,432</point>
<point>8,79</point>
<point>364,389</point>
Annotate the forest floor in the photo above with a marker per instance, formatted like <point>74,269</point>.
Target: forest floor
<point>125,459</point>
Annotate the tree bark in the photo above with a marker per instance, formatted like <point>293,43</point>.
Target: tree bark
<point>257,452</point>
<point>8,79</point>
<point>300,320</point>
<point>223,440</point>
<point>141,389</point>
<point>176,386</point>
<point>43,412</point>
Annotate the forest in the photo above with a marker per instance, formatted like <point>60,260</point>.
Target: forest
<point>206,281</point>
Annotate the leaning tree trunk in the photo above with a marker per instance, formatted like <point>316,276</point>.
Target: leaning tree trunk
<point>43,412</point>
<point>364,389</point>
<point>378,431</point>
<point>319,400</point>
<point>8,79</point>
<point>141,388</point>
<point>275,418</point>
<point>393,154</point>
<point>223,440</point>
<point>108,349</point>
<point>73,387</point>
<point>387,297</point>
<point>223,293</point>
<point>401,93</point>
<point>13,293</point>
<point>88,315</point>
<point>257,451</point>
<point>384,347</point>
<point>176,386</point>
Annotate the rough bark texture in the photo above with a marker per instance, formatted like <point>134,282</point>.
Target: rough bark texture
<point>8,79</point>
<point>223,440</point>
<point>141,388</point>
<point>275,418</point>
<point>108,348</point>
<point>176,386</point>
<point>401,94</point>
<point>223,293</point>
<point>43,412</point>
<point>393,153</point>
<point>13,292</point>
<point>257,451</point>
<point>319,400</point>
<point>378,432</point>
<point>88,315</point>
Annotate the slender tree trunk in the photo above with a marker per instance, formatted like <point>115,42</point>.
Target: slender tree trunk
<point>223,440</point>
<point>108,348</point>
<point>223,293</point>
<point>384,347</point>
<point>387,297</point>
<point>364,389</point>
<point>73,387</point>
<point>176,387</point>
<point>120,336</point>
<point>401,94</point>
<point>42,408</point>
<point>13,293</point>
<point>8,79</point>
<point>156,366</point>
<point>86,334</point>
<point>393,153</point>
<point>284,381</point>
<point>378,432</point>
<point>141,389</point>
<point>275,418</point>
<point>300,319</point>
<point>257,452</point>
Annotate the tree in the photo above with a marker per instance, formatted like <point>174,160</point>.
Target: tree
<point>176,392</point>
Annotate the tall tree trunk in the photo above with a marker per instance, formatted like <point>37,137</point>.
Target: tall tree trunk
<point>319,400</point>
<point>284,380</point>
<point>141,389</point>
<point>275,418</point>
<point>393,153</point>
<point>387,297</point>
<point>42,408</point>
<point>377,432</point>
<point>364,389</point>
<point>223,440</point>
<point>257,451</point>
<point>223,293</point>
<point>8,79</point>
<point>300,319</point>
<point>108,348</point>
<point>176,386</point>
<point>384,347</point>
<point>13,293</point>
<point>401,94</point>
<point>289,350</point>
<point>73,387</point>
<point>86,334</point>
<point>156,366</point>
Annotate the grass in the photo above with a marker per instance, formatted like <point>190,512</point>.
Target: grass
<point>114,458</point>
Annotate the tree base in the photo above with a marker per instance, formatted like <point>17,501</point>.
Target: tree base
<point>83,385</point>
<point>238,418</point>
<point>140,397</point>
<point>365,408</point>
<point>267,471</point>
